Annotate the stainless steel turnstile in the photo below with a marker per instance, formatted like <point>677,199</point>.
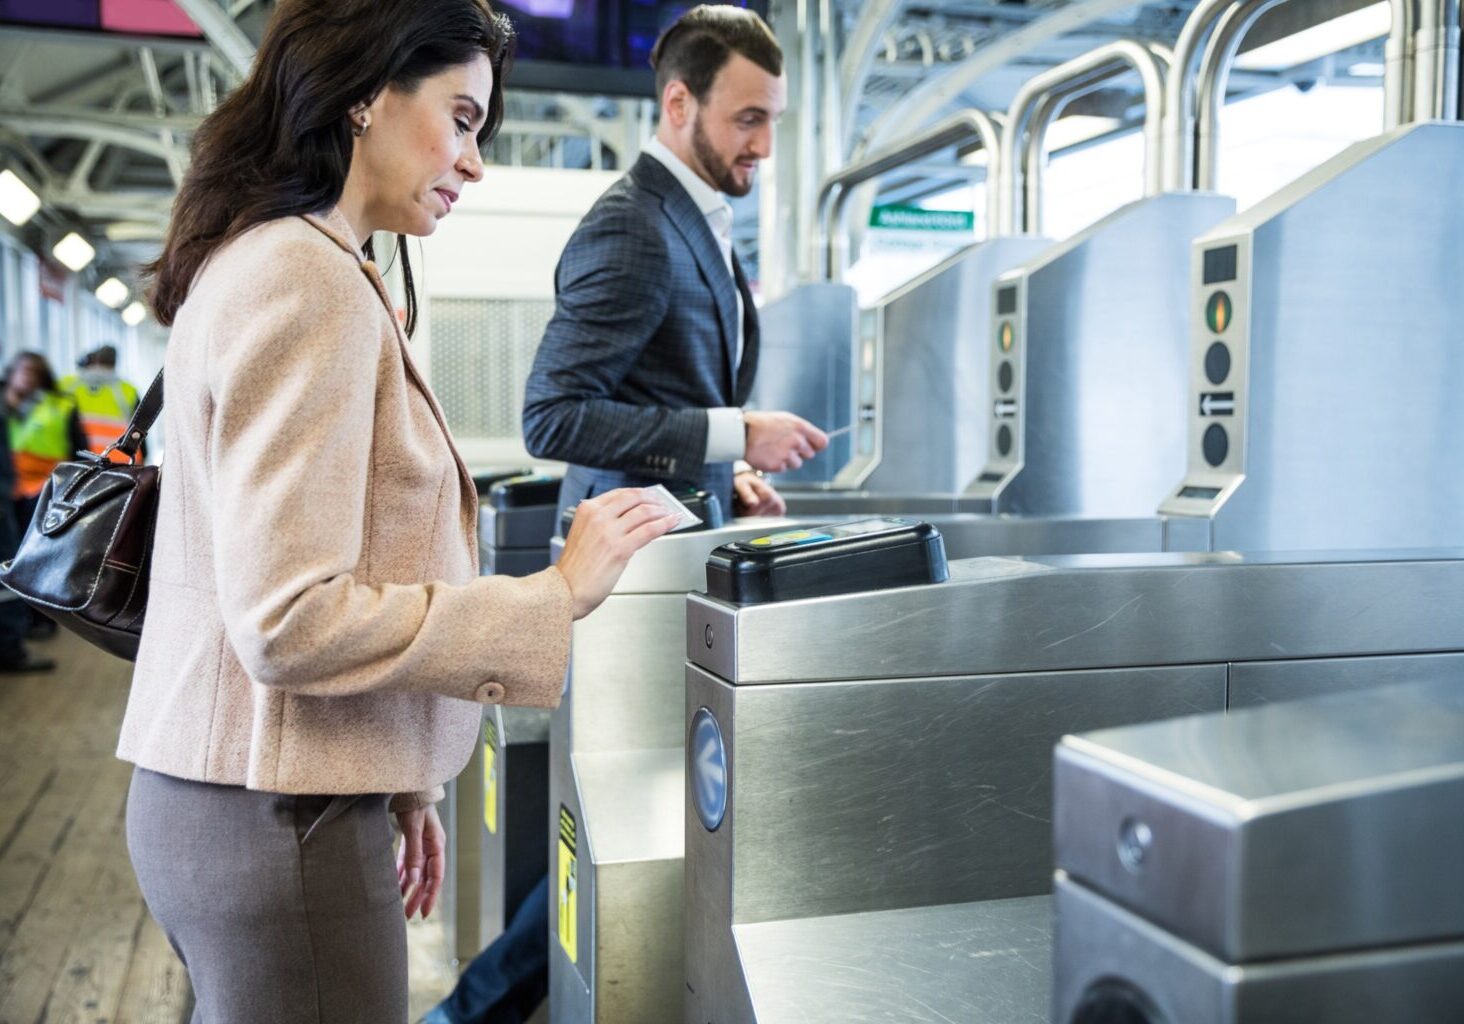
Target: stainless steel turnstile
<point>494,811</point>
<point>618,761</point>
<point>1324,357</point>
<point>1280,865</point>
<point>908,371</point>
<point>884,759</point>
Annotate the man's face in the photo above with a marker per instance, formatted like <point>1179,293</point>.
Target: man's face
<point>733,129</point>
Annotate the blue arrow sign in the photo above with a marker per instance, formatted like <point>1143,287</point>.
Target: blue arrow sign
<point>708,759</point>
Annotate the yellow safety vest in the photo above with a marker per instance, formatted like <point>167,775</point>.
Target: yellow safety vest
<point>40,442</point>
<point>104,409</point>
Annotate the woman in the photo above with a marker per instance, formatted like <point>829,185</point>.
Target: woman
<point>318,641</point>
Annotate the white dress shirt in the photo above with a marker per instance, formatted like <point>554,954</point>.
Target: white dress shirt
<point>726,439</point>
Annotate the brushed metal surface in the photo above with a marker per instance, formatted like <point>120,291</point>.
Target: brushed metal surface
<point>1101,364</point>
<point>617,764</point>
<point>986,962</point>
<point>1264,682</point>
<point>998,615</point>
<point>1097,942</point>
<point>838,503</point>
<point>922,384</point>
<point>625,666</point>
<point>1293,829</point>
<point>805,366</point>
<point>634,799</point>
<point>716,989</point>
<point>880,794</point>
<point>1345,360</point>
<point>934,386</point>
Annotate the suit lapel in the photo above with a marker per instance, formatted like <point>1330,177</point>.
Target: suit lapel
<point>751,337</point>
<point>692,225</point>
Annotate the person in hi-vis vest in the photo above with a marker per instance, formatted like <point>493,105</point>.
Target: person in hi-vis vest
<point>44,428</point>
<point>104,400</point>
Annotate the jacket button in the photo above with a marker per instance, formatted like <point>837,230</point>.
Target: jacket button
<point>490,693</point>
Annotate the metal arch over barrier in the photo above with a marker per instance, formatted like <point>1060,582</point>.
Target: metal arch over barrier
<point>832,238</point>
<point>1206,48</point>
<point>1040,99</point>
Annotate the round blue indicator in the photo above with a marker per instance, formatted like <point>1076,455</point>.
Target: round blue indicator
<point>708,769</point>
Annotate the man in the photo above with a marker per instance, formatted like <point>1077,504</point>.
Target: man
<point>653,346</point>
<point>651,352</point>
<point>104,400</point>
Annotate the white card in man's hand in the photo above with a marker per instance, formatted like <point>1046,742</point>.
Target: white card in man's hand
<point>658,495</point>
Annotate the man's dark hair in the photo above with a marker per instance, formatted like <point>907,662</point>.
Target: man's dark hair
<point>698,44</point>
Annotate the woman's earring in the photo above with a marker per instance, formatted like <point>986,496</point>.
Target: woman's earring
<point>358,128</point>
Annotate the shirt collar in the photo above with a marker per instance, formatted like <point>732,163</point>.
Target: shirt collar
<point>707,199</point>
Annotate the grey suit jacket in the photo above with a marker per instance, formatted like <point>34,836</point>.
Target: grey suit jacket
<point>642,342</point>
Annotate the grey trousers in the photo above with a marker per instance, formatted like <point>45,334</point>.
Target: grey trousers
<point>284,909</point>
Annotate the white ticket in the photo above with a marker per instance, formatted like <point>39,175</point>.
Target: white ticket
<point>658,495</point>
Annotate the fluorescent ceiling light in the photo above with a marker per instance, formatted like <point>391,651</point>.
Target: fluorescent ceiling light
<point>18,203</point>
<point>74,251</point>
<point>112,292</point>
<point>134,314</point>
<point>1076,128</point>
<point>1321,40</point>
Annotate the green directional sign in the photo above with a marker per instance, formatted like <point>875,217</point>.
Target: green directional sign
<point>897,217</point>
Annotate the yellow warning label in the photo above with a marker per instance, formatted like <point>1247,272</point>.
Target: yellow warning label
<point>490,777</point>
<point>568,885</point>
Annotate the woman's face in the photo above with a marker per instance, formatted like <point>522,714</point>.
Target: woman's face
<point>25,377</point>
<point>420,148</point>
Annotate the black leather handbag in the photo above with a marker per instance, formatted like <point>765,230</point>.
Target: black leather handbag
<point>85,557</point>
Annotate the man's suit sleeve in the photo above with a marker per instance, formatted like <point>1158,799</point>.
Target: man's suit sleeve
<point>612,296</point>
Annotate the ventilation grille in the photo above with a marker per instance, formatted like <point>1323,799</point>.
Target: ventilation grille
<point>482,350</point>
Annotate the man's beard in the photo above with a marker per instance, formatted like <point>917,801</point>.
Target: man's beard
<point>713,164</point>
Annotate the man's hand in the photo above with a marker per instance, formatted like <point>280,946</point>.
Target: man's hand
<point>754,496</point>
<point>780,441</point>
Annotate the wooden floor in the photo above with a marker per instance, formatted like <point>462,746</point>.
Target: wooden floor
<point>76,941</point>
<point>77,945</point>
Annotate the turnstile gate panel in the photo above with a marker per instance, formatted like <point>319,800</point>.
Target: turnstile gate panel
<point>1089,361</point>
<point>908,373</point>
<point>1290,863</point>
<point>865,759</point>
<point>1295,829</point>
<point>1324,357</point>
<point>618,762</point>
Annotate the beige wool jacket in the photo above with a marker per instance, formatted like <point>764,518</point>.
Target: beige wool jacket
<point>316,622</point>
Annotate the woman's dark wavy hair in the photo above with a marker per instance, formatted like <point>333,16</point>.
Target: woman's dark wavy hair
<point>280,144</point>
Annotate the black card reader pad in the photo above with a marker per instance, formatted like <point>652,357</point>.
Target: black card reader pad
<point>821,561</point>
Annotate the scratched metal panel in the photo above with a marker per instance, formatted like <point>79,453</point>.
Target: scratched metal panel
<point>874,795</point>
<point>965,962</point>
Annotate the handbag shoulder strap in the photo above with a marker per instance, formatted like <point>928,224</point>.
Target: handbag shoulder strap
<point>142,419</point>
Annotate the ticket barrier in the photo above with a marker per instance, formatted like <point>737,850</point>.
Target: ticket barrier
<point>618,760</point>
<point>515,522</point>
<point>1277,865</point>
<point>868,789</point>
<point>494,810</point>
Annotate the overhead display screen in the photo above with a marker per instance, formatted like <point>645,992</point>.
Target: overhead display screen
<point>601,46</point>
<point>138,17</point>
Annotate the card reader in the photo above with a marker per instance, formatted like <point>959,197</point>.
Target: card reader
<point>821,561</point>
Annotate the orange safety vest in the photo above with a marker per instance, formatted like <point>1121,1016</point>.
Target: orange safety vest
<point>104,408</point>
<point>40,442</point>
